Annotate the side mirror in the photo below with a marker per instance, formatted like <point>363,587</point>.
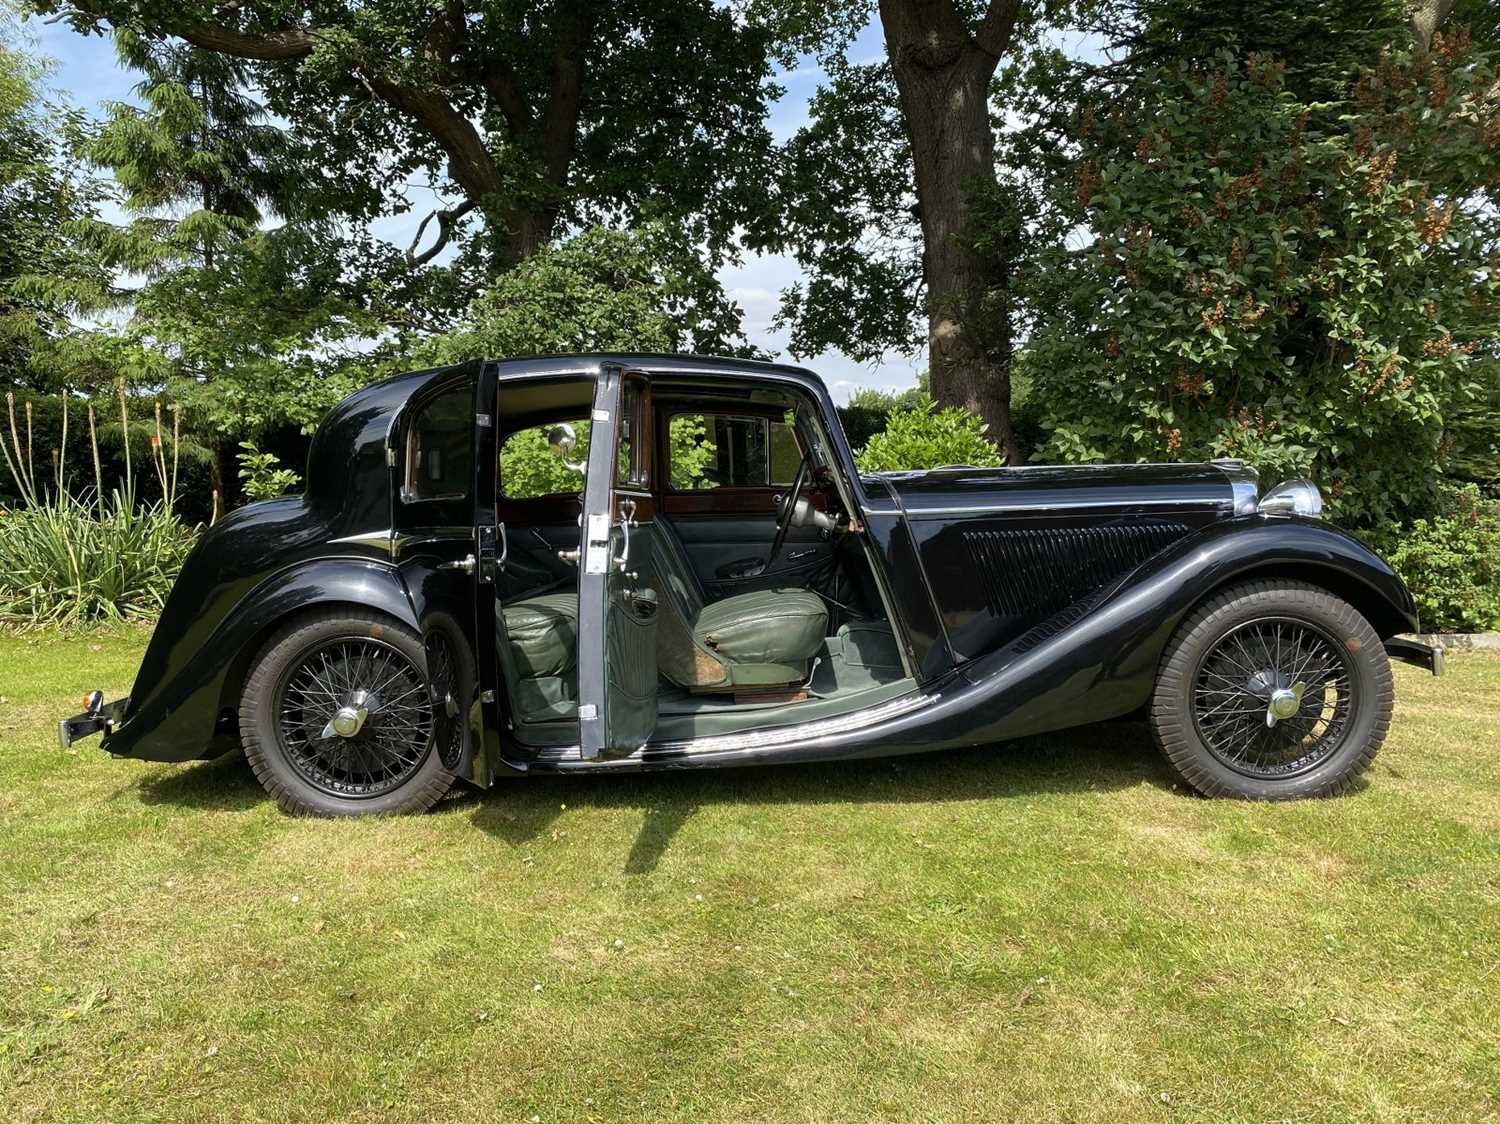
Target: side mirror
<point>563,441</point>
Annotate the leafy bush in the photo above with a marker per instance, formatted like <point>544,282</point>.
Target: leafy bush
<point>264,475</point>
<point>67,561</point>
<point>67,558</point>
<point>1452,561</point>
<point>922,437</point>
<point>1310,287</point>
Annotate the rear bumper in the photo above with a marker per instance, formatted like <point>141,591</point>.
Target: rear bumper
<point>100,718</point>
<point>1428,656</point>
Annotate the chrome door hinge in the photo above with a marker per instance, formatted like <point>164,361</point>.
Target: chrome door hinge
<point>484,421</point>
<point>390,458</point>
<point>487,696</point>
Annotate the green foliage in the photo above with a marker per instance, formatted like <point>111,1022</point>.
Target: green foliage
<point>691,452</point>
<point>1310,288</point>
<point>68,561</point>
<point>529,467</point>
<point>264,476</point>
<point>39,420</point>
<point>250,325</point>
<point>859,247</point>
<point>532,118</point>
<point>869,409</point>
<point>46,275</point>
<point>601,290</point>
<point>1451,561</point>
<point>919,437</point>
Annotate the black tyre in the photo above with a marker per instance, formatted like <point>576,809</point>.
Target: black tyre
<point>337,719</point>
<point>1272,690</point>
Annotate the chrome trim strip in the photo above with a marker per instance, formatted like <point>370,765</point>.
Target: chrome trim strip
<point>1062,505</point>
<point>381,540</point>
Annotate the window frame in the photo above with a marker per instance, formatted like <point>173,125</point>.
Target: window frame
<point>413,412</point>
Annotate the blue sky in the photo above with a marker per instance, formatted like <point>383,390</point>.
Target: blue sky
<point>86,74</point>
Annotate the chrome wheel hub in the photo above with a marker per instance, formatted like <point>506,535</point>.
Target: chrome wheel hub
<point>1284,702</point>
<point>346,722</point>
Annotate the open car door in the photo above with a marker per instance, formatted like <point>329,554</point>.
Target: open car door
<point>616,614</point>
<point>447,544</point>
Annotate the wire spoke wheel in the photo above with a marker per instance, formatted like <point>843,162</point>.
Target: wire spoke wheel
<point>354,716</point>
<point>1274,697</point>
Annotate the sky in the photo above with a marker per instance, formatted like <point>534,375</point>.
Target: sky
<point>86,74</point>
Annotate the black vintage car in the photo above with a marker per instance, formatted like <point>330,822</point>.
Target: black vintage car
<point>696,575</point>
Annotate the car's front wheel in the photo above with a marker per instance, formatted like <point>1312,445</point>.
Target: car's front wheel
<point>337,719</point>
<point>1272,690</point>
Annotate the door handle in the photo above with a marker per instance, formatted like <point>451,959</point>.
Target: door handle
<point>468,565</point>
<point>622,560</point>
<point>796,554</point>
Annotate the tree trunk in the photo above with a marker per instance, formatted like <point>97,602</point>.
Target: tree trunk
<point>1426,16</point>
<point>943,75</point>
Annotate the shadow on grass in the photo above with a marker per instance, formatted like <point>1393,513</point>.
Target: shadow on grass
<point>1092,758</point>
<point>1098,758</point>
<point>226,783</point>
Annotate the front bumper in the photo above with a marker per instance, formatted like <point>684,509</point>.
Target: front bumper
<point>100,717</point>
<point>1429,656</point>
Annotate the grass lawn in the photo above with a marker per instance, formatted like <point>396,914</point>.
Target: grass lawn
<point>1046,930</point>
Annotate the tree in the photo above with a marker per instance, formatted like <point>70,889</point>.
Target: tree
<point>1308,285</point>
<point>911,144</point>
<point>533,116</point>
<point>601,290</point>
<point>247,322</point>
<point>943,61</point>
<point>45,275</point>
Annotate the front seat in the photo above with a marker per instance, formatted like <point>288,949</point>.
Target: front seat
<point>760,640</point>
<point>763,640</point>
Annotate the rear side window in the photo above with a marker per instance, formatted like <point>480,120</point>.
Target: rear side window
<point>530,468</point>
<point>440,447</point>
<point>726,450</point>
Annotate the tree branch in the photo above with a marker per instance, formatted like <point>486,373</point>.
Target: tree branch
<point>565,97</point>
<point>499,81</point>
<point>997,27</point>
<point>275,46</point>
<point>447,222</point>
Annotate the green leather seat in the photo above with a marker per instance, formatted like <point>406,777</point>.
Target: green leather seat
<point>539,655</point>
<point>543,633</point>
<point>764,639</point>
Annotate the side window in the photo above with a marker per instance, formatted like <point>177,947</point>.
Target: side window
<point>724,450</point>
<point>440,447</point>
<point>529,468</point>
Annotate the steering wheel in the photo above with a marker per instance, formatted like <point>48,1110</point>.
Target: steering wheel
<point>788,511</point>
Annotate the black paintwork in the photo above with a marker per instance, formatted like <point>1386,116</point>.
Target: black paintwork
<point>1029,599</point>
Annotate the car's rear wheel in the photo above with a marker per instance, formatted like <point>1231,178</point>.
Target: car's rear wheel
<point>337,719</point>
<point>1272,690</point>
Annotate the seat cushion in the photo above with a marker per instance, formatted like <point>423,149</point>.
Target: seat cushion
<point>776,626</point>
<point>543,634</point>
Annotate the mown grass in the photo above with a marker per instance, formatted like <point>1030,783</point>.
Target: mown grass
<point>1042,931</point>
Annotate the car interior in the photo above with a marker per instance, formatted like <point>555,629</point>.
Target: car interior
<point>766,612</point>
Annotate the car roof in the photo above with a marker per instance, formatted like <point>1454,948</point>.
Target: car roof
<point>663,363</point>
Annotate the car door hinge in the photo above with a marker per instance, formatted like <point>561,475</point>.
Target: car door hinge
<point>390,458</point>
<point>484,421</point>
<point>487,696</point>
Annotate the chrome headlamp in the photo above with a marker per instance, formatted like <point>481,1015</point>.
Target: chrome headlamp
<point>1295,497</point>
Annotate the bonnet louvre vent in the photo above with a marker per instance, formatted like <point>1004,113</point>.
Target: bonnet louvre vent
<point>1033,573</point>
